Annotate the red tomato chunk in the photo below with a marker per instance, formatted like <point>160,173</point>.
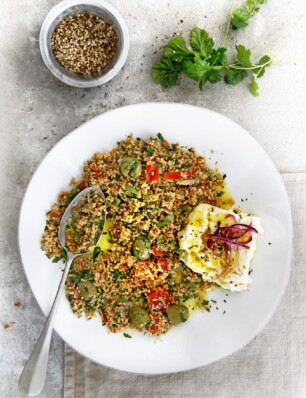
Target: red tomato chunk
<point>158,253</point>
<point>164,263</point>
<point>152,173</point>
<point>180,175</point>
<point>159,299</point>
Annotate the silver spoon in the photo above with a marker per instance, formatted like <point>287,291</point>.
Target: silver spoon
<point>33,376</point>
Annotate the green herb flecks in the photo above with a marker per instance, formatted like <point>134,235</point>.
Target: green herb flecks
<point>121,299</point>
<point>192,284</point>
<point>116,200</point>
<point>78,276</point>
<point>62,256</point>
<point>160,137</point>
<point>117,274</point>
<point>96,252</point>
<point>150,151</point>
<point>131,189</point>
<point>167,220</point>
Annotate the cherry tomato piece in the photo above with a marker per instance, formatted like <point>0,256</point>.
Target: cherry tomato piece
<point>159,299</point>
<point>158,253</point>
<point>164,263</point>
<point>152,173</point>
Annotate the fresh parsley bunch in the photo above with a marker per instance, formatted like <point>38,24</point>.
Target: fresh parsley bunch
<point>242,15</point>
<point>204,63</point>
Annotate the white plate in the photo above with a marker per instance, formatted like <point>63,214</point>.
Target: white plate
<point>206,337</point>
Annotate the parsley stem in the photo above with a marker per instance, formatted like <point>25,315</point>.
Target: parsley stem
<point>228,23</point>
<point>233,66</point>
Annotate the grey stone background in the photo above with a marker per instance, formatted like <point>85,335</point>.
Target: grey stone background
<point>36,111</point>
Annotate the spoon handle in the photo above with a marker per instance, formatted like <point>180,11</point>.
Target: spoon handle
<point>33,376</point>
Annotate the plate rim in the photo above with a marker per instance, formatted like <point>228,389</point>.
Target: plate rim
<point>277,173</point>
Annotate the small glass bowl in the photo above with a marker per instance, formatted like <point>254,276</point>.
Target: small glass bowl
<point>103,10</point>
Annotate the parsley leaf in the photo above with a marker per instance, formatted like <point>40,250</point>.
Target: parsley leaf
<point>214,76</point>
<point>218,57</point>
<point>165,72</point>
<point>201,42</point>
<point>254,87</point>
<point>196,70</point>
<point>176,50</point>
<point>263,63</point>
<point>241,16</point>
<point>234,76</point>
<point>244,55</point>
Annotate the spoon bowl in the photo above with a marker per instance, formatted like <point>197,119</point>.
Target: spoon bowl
<point>67,214</point>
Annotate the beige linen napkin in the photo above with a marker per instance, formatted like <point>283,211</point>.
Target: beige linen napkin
<point>272,365</point>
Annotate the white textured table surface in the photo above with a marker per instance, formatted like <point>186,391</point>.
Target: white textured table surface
<point>36,111</point>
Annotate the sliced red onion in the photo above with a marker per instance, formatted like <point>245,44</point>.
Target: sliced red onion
<point>228,240</point>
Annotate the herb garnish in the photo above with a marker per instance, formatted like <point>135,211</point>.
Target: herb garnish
<point>127,335</point>
<point>241,16</point>
<point>203,62</point>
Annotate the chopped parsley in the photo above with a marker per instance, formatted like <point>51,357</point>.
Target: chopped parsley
<point>62,255</point>
<point>117,274</point>
<point>96,252</point>
<point>160,137</point>
<point>192,284</point>
<point>131,189</point>
<point>116,200</point>
<point>167,219</point>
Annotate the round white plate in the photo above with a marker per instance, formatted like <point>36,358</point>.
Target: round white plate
<point>251,176</point>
